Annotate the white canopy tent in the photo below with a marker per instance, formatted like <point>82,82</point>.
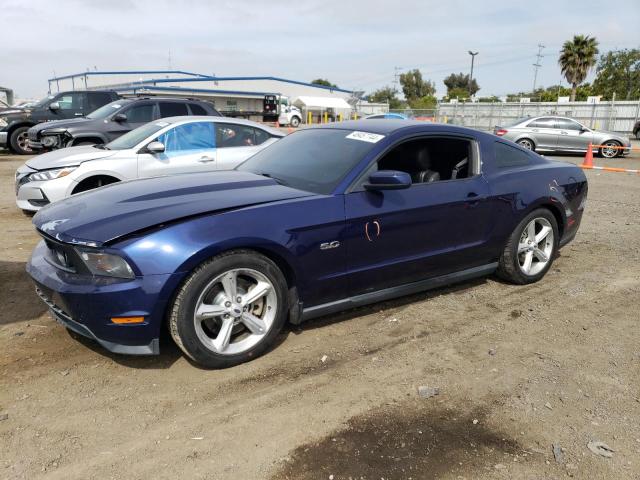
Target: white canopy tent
<point>319,108</point>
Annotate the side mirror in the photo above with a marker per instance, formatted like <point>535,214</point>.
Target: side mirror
<point>155,147</point>
<point>119,117</point>
<point>584,129</point>
<point>388,180</point>
<point>54,106</point>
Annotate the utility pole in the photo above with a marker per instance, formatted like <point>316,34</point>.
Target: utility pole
<point>396,75</point>
<point>537,65</point>
<point>473,57</point>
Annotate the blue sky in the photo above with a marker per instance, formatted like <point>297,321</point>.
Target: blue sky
<point>355,44</point>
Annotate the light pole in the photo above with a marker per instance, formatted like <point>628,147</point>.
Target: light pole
<point>473,57</point>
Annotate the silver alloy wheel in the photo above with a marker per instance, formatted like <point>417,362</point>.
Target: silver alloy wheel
<point>524,143</point>
<point>23,141</point>
<point>536,246</point>
<point>609,152</point>
<point>235,311</point>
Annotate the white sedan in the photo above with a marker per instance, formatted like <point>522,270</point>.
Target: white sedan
<point>164,147</point>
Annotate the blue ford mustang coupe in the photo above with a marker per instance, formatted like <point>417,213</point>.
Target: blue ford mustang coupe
<point>326,219</point>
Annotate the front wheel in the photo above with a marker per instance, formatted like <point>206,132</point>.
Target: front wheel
<point>230,309</point>
<point>19,141</point>
<point>295,121</point>
<point>531,248</point>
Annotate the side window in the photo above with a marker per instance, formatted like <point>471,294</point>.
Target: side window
<point>71,101</point>
<point>566,124</point>
<point>232,135</point>
<point>189,137</point>
<point>97,99</point>
<point>140,113</point>
<point>429,159</point>
<point>508,156</point>
<point>197,109</point>
<point>261,136</point>
<point>542,123</point>
<point>172,109</point>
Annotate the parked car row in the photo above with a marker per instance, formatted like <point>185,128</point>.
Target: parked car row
<point>90,117</point>
<point>322,220</point>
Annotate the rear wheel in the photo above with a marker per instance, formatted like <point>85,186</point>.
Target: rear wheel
<point>230,309</point>
<point>19,141</point>
<point>526,143</point>
<point>610,150</point>
<point>531,248</point>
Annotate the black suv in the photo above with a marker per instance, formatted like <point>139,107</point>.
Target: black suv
<point>112,120</point>
<point>14,123</point>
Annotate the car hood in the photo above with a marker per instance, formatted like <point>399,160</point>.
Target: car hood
<point>63,124</point>
<point>605,133</point>
<point>108,213</point>
<point>65,157</point>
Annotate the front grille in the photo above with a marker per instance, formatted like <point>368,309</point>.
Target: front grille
<point>61,256</point>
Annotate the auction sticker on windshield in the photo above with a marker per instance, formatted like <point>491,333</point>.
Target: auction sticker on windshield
<point>365,137</point>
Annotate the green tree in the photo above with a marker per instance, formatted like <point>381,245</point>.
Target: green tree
<point>386,95</point>
<point>619,72</point>
<point>428,102</point>
<point>577,57</point>
<point>458,92</point>
<point>460,81</point>
<point>324,82</point>
<point>414,87</point>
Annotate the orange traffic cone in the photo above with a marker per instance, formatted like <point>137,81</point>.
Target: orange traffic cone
<point>588,157</point>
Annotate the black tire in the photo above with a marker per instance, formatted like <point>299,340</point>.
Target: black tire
<point>181,323</point>
<point>295,121</point>
<point>18,140</point>
<point>638,135</point>
<point>527,143</point>
<point>509,265</point>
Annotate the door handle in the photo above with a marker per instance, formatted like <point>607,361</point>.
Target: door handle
<point>206,159</point>
<point>78,114</point>
<point>564,133</point>
<point>473,199</point>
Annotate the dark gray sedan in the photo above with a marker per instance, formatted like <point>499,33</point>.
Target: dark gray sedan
<point>562,134</point>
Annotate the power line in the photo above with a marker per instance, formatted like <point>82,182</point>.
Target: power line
<point>537,65</point>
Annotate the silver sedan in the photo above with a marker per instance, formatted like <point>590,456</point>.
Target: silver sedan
<point>562,134</point>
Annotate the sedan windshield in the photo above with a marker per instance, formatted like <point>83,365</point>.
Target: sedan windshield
<point>134,137</point>
<point>105,110</point>
<point>314,160</point>
<point>44,101</point>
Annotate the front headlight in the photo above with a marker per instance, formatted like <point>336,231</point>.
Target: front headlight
<point>51,174</point>
<point>3,122</point>
<point>106,264</point>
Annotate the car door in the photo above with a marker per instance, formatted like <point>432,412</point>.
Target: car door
<point>430,229</point>
<point>571,135</point>
<point>235,143</point>
<point>189,147</point>
<point>135,116</point>
<point>543,132</point>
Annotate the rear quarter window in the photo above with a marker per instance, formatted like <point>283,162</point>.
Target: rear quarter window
<point>508,156</point>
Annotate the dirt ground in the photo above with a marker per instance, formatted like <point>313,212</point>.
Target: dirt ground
<point>519,369</point>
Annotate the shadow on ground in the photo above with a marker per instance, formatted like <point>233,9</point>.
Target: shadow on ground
<point>416,440</point>
<point>17,295</point>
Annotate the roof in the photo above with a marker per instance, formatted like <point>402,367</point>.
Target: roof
<point>197,78</point>
<point>322,102</point>
<point>388,126</point>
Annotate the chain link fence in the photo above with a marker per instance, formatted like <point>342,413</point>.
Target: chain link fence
<point>614,116</point>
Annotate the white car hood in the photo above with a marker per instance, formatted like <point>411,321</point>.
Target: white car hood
<point>68,156</point>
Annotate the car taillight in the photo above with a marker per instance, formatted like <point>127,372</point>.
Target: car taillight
<point>501,132</point>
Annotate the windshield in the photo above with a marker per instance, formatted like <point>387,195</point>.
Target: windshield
<point>105,110</point>
<point>314,160</point>
<point>134,137</point>
<point>44,101</point>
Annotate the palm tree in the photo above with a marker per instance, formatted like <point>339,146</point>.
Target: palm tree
<point>577,57</point>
